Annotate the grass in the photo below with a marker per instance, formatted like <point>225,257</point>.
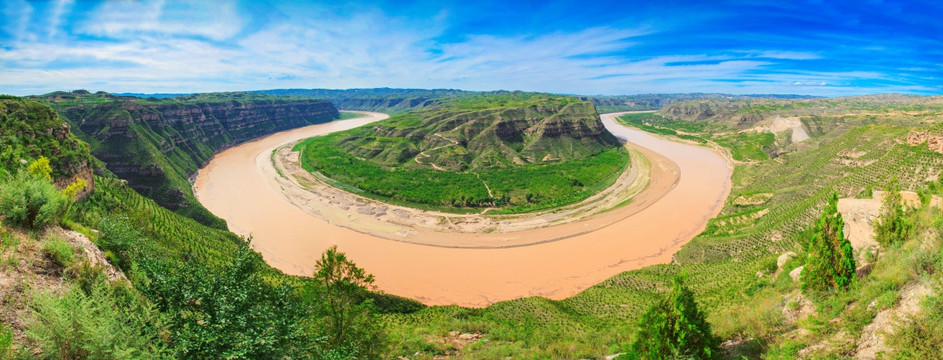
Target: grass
<point>528,188</point>
<point>59,251</point>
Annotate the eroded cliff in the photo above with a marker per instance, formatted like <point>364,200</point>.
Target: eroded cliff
<point>157,144</point>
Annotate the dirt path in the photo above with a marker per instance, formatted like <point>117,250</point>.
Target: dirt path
<point>241,186</point>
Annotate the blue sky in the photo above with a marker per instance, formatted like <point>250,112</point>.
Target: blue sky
<point>823,47</point>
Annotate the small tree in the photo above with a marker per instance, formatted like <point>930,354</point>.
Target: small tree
<point>674,328</point>
<point>830,263</point>
<point>338,288</point>
<point>892,226</point>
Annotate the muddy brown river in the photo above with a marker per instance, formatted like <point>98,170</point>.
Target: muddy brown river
<point>239,185</point>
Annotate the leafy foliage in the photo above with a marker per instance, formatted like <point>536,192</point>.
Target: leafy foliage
<point>109,322</point>
<point>674,328</point>
<point>30,202</point>
<point>830,264</point>
<point>231,312</point>
<point>40,169</point>
<point>337,289</point>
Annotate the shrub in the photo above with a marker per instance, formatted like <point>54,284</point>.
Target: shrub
<point>674,328</point>
<point>231,312</point>
<point>59,251</point>
<point>118,237</point>
<point>30,202</point>
<point>106,323</point>
<point>830,264</point>
<point>40,169</point>
<point>892,226</point>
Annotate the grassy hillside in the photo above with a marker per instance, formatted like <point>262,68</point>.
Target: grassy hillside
<point>521,151</point>
<point>157,144</point>
<point>180,268</point>
<point>398,101</point>
<point>732,265</point>
<point>617,103</point>
<point>29,130</point>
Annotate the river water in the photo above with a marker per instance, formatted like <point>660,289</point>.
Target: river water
<point>239,186</point>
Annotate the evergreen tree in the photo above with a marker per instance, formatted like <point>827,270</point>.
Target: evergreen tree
<point>830,264</point>
<point>674,328</point>
<point>892,226</point>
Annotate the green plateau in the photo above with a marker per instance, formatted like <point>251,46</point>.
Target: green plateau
<point>516,151</point>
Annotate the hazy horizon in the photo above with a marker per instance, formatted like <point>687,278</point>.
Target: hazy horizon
<point>609,48</point>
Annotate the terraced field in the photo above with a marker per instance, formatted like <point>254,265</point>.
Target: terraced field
<point>852,155</point>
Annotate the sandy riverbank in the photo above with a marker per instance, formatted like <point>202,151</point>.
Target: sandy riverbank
<point>241,186</point>
<point>634,186</point>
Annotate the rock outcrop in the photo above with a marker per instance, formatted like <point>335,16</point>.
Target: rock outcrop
<point>933,140</point>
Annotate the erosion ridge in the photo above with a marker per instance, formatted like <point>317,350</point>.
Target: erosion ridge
<point>157,144</point>
<point>455,138</point>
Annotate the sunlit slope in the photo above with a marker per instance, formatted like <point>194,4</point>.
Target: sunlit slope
<point>521,151</point>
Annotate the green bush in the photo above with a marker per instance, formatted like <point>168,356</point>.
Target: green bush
<point>30,202</point>
<point>337,289</point>
<point>231,312</point>
<point>106,323</point>
<point>830,264</point>
<point>59,251</point>
<point>893,226</point>
<point>674,328</point>
<point>118,237</point>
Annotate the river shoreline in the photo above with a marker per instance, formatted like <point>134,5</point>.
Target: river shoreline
<point>242,187</point>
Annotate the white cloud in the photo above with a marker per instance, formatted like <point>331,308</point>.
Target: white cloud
<point>61,8</point>
<point>154,46</point>
<point>217,20</point>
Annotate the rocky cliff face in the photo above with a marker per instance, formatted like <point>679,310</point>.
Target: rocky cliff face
<point>156,145</point>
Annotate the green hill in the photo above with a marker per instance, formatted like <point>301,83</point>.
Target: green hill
<point>521,150</point>
<point>158,144</point>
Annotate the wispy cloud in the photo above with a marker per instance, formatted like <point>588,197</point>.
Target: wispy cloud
<point>157,46</point>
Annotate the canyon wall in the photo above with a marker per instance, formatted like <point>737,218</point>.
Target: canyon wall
<point>158,144</point>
